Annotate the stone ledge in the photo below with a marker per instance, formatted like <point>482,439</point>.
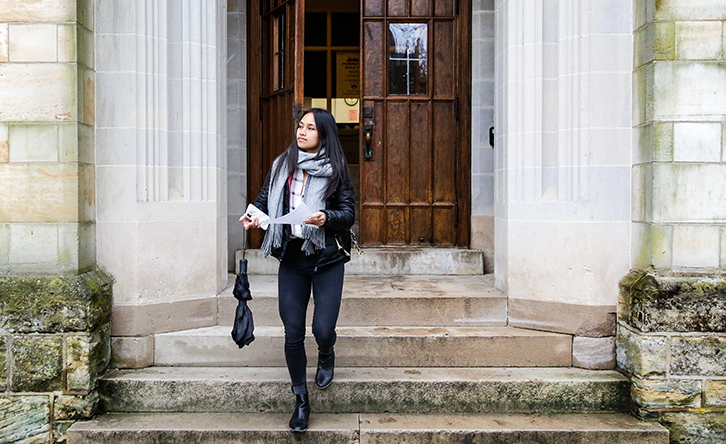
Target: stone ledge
<point>672,302</point>
<point>54,304</point>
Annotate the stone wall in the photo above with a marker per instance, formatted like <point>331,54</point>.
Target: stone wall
<point>47,91</point>
<point>54,344</point>
<point>671,341</point>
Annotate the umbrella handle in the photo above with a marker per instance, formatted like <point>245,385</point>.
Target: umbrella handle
<point>244,244</point>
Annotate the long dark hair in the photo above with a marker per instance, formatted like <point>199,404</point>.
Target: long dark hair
<point>328,139</point>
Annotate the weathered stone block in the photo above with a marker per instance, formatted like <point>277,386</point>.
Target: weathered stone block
<point>39,192</point>
<point>664,41</point>
<point>33,143</point>
<point>37,363</point>
<point>641,355</point>
<point>666,393</point>
<point>715,393</point>
<point>38,91</point>
<point>51,304</point>
<point>692,428</point>
<point>697,142</point>
<point>3,363</point>
<point>34,42</point>
<point>38,11</point>
<point>4,141</point>
<point>689,9</point>
<point>698,356</point>
<point>695,246</point>
<point>67,43</point>
<point>663,141</point>
<point>33,244</point>
<point>87,357</point>
<point>60,429</point>
<point>593,353</point>
<point>688,91</point>
<point>67,407</point>
<point>25,419</point>
<point>673,303</point>
<point>132,352</point>
<point>698,40</point>
<point>4,44</point>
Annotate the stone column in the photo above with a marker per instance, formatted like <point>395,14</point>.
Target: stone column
<point>54,307</point>
<point>562,161</point>
<point>161,165</point>
<point>671,329</point>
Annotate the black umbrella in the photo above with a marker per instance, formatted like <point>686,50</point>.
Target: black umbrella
<point>243,329</point>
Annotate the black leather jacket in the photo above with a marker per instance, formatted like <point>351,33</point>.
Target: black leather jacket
<point>339,217</point>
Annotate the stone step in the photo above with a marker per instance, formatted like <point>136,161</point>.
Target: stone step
<point>388,261</point>
<point>266,428</point>
<point>368,390</point>
<point>374,347</point>
<point>389,301</point>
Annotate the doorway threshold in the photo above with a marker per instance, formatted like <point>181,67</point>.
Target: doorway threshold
<point>390,261</point>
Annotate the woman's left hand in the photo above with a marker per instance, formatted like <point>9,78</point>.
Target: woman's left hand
<point>317,219</point>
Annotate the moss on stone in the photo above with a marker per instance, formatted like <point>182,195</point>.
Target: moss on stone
<point>37,363</point>
<point>674,302</point>
<point>3,363</point>
<point>54,304</point>
<point>24,418</point>
<point>68,407</point>
<point>88,355</point>
<point>664,43</point>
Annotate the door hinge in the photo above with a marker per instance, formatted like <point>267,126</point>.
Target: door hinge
<point>456,108</point>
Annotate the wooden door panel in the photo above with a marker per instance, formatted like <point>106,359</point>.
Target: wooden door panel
<point>374,54</point>
<point>397,224</point>
<point>373,8</point>
<point>444,177</point>
<point>421,158</point>
<point>372,224</point>
<point>444,8</point>
<point>396,152</point>
<point>421,8</point>
<point>444,229</point>
<point>420,224</point>
<point>444,67</point>
<point>372,170</point>
<point>398,8</point>
<point>413,186</point>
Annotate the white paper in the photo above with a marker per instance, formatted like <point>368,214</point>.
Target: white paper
<point>253,211</point>
<point>294,217</point>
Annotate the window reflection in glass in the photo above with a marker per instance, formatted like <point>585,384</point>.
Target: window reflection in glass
<point>407,61</point>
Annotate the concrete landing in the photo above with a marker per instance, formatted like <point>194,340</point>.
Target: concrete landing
<point>391,261</point>
<point>389,301</point>
<point>223,428</point>
<point>368,390</point>
<point>374,347</point>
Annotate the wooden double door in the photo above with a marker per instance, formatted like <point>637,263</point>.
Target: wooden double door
<point>414,124</point>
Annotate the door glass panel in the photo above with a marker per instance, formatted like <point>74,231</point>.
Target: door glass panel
<point>407,58</point>
<point>345,29</point>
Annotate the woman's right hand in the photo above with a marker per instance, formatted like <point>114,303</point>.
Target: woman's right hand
<point>250,223</point>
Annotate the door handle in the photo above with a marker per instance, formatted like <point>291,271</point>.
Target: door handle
<point>368,134</point>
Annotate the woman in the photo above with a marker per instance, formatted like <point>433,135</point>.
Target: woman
<point>312,170</point>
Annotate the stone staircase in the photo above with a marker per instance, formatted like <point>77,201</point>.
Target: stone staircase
<point>420,359</point>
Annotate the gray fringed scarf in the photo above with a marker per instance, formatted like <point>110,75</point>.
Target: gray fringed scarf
<point>319,169</point>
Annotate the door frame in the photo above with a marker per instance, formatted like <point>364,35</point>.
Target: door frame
<point>256,164</point>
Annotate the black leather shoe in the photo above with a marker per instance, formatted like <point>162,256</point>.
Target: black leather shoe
<point>301,414</point>
<point>326,366</point>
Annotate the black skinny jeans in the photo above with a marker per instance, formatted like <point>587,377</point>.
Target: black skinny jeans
<point>296,275</point>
